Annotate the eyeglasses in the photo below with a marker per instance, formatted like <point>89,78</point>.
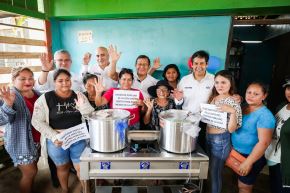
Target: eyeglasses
<point>24,79</point>
<point>63,60</point>
<point>161,90</point>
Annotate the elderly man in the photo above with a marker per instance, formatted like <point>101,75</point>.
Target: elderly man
<point>62,59</point>
<point>143,80</point>
<point>104,68</point>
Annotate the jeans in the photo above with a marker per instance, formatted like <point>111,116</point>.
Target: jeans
<point>219,146</point>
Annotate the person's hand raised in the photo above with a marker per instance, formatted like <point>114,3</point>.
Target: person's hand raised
<point>87,58</point>
<point>98,84</point>
<point>46,65</point>
<point>156,63</point>
<point>114,54</point>
<point>149,103</point>
<point>7,95</point>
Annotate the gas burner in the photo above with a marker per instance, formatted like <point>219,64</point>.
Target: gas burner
<point>144,146</point>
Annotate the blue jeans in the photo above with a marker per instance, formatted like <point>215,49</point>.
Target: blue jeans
<point>60,156</point>
<point>219,146</point>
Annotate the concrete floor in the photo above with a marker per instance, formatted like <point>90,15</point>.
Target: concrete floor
<point>9,179</point>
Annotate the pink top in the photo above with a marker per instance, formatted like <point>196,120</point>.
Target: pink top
<point>133,111</point>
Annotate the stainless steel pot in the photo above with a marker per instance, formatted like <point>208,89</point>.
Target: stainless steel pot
<point>172,135</point>
<point>108,130</point>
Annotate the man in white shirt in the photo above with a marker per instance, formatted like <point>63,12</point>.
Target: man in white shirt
<point>62,59</point>
<point>142,80</point>
<point>196,87</point>
<point>104,68</point>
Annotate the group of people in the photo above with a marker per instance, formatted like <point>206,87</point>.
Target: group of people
<point>36,111</point>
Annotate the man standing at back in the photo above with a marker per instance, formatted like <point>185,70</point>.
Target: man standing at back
<point>142,80</point>
<point>196,87</point>
<point>104,68</point>
<point>61,59</point>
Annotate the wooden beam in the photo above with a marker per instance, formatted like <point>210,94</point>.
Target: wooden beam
<point>13,55</point>
<point>262,22</point>
<point>21,41</point>
<point>7,70</point>
<point>24,27</point>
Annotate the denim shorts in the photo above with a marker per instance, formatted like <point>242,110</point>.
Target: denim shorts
<point>60,156</point>
<point>256,169</point>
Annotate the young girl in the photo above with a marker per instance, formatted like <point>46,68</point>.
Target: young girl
<point>218,139</point>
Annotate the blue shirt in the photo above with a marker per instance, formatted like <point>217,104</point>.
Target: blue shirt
<point>245,138</point>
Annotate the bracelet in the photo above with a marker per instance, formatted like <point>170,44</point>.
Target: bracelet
<point>44,70</point>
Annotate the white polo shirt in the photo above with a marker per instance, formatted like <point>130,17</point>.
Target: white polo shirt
<point>77,83</point>
<point>97,70</point>
<point>195,92</point>
<point>144,84</point>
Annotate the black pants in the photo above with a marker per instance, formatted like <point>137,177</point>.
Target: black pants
<point>276,180</point>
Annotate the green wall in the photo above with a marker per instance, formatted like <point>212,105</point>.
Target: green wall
<point>74,9</point>
<point>28,8</point>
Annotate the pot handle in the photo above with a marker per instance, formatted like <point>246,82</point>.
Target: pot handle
<point>131,117</point>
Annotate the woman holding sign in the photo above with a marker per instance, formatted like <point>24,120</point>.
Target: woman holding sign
<point>21,140</point>
<point>124,97</point>
<point>55,112</point>
<point>218,139</point>
<point>253,138</point>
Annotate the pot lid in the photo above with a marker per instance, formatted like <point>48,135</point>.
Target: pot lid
<point>110,114</point>
<point>175,115</point>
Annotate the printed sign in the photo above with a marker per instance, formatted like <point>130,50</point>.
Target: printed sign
<point>124,99</point>
<point>85,36</point>
<point>72,135</point>
<point>211,115</point>
<point>183,165</point>
<point>144,165</point>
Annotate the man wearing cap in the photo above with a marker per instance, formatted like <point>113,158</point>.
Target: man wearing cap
<point>142,80</point>
<point>104,68</point>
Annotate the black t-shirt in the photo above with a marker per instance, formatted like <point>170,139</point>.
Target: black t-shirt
<point>62,111</point>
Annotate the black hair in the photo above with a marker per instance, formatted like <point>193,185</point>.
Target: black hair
<point>200,54</point>
<point>61,71</point>
<point>167,68</point>
<point>88,76</point>
<point>126,71</point>
<point>228,75</point>
<point>264,87</point>
<point>144,57</point>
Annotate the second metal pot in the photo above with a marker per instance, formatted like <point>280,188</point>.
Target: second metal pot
<point>172,135</point>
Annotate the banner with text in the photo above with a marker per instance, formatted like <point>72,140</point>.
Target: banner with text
<point>72,135</point>
<point>124,99</point>
<point>211,115</point>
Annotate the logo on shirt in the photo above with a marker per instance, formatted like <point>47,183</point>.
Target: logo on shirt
<point>207,87</point>
<point>187,87</point>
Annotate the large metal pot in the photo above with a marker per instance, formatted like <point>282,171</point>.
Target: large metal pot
<point>108,130</point>
<point>172,126</point>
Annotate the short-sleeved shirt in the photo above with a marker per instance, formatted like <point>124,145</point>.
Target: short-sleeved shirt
<point>246,137</point>
<point>63,113</point>
<point>109,95</point>
<point>195,92</point>
<point>98,71</point>
<point>144,84</point>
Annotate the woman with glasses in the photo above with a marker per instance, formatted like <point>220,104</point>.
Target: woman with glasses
<point>126,78</point>
<point>21,140</point>
<point>160,102</point>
